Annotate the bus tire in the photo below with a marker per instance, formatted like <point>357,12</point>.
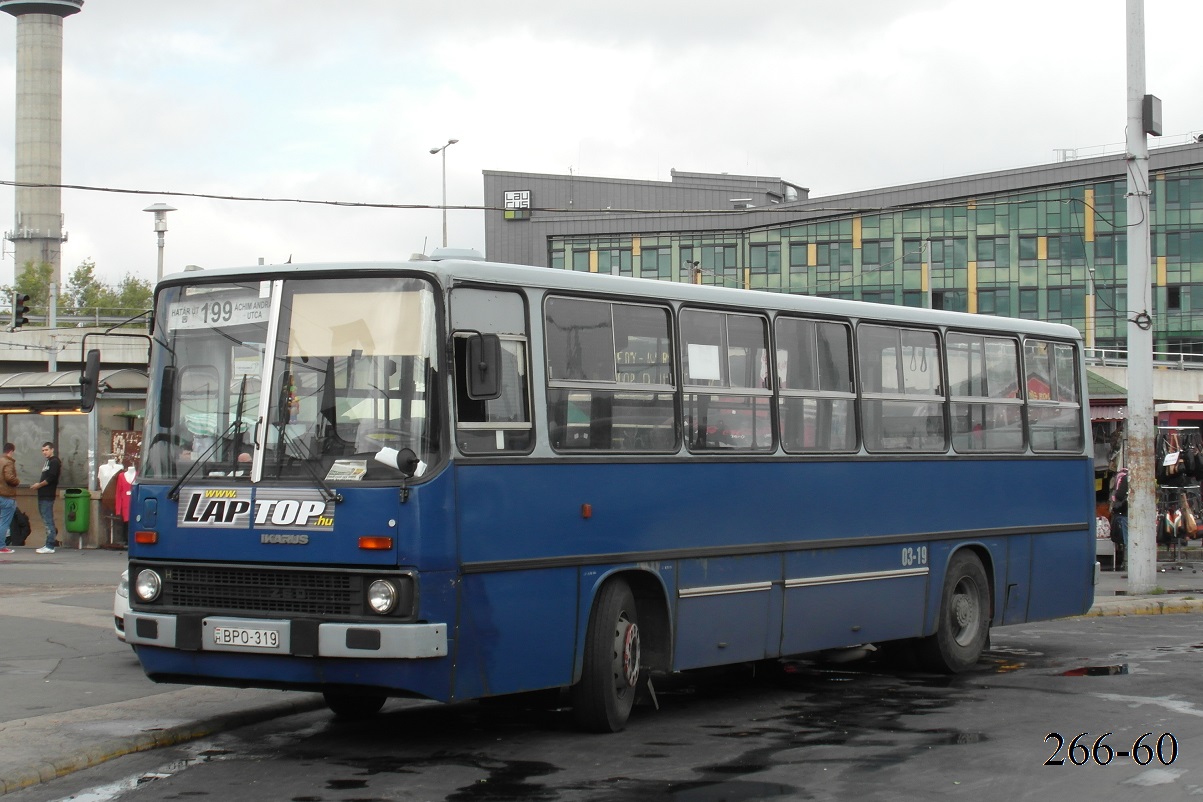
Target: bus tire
<point>602,700</point>
<point>354,706</point>
<point>963,627</point>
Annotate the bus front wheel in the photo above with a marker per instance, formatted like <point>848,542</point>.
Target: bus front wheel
<point>964,623</point>
<point>354,706</point>
<point>602,700</point>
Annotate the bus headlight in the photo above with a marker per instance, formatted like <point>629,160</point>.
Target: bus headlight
<point>382,596</point>
<point>148,585</point>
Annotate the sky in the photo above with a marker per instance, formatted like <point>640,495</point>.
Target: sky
<point>342,101</point>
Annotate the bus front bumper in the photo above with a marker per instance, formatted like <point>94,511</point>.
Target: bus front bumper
<point>299,638</point>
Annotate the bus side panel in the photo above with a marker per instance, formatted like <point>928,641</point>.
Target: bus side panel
<point>1061,584</point>
<point>844,597</point>
<point>1018,584</point>
<point>724,609</point>
<point>517,632</point>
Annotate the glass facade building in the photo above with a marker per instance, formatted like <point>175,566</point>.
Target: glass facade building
<point>1044,243</point>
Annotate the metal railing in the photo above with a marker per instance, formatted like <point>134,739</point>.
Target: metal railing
<point>1118,357</point>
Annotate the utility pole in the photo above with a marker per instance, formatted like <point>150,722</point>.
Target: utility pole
<point>1144,117</point>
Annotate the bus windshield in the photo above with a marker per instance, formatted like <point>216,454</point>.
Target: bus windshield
<point>339,394</point>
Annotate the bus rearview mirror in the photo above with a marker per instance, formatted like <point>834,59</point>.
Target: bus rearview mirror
<point>484,367</point>
<point>89,381</point>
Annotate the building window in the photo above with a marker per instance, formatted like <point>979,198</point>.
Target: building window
<point>1067,249</point>
<point>1173,299</point>
<point>951,300</point>
<point>616,261</point>
<point>952,253</point>
<point>1029,304</point>
<point>717,258</point>
<point>1111,249</point>
<point>1027,251</point>
<point>912,251</point>
<point>993,252</point>
<point>1184,246</point>
<point>1066,303</point>
<point>766,259</point>
<point>797,257</point>
<point>877,253</point>
<point>835,254</point>
<point>878,297</point>
<point>580,261</point>
<point>994,301</point>
<point>656,263</point>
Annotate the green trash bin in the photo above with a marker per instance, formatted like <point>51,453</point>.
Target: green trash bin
<point>77,506</point>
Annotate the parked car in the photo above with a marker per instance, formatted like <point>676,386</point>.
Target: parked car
<point>121,605</point>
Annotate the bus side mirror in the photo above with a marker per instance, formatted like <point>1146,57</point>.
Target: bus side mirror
<point>484,367</point>
<point>89,381</point>
<point>167,397</point>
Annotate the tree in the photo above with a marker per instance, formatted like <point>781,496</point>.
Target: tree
<point>83,294</point>
<point>34,281</point>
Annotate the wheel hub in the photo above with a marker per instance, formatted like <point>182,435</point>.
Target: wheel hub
<point>630,654</point>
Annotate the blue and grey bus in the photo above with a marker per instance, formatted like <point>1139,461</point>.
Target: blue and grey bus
<point>453,479</point>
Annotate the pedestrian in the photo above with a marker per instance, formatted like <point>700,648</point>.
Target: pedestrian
<point>47,487</point>
<point>8,494</point>
<point>1119,516</point>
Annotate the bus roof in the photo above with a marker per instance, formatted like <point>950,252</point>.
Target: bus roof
<point>630,287</point>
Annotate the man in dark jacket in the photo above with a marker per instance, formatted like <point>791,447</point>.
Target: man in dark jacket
<point>47,487</point>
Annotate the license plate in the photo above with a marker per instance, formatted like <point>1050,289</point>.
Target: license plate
<point>256,639</point>
<point>246,638</point>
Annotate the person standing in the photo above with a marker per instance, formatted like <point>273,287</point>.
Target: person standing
<point>8,494</point>
<point>1119,515</point>
<point>47,487</point>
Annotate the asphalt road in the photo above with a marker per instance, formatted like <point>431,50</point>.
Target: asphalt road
<point>73,697</point>
<point>1049,714</point>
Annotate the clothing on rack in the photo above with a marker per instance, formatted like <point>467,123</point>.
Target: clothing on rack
<point>125,481</point>
<point>106,472</point>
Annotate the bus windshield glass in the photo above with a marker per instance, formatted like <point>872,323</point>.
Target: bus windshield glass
<point>339,395</point>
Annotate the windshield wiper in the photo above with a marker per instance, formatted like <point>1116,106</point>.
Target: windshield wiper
<point>283,412</point>
<point>174,492</point>
<point>328,493</point>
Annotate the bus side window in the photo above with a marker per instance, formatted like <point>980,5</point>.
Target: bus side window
<point>498,424</point>
<point>610,376</point>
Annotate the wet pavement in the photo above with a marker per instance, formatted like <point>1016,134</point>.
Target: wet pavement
<point>72,696</point>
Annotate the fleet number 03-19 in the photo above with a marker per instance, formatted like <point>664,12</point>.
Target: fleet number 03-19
<point>914,555</point>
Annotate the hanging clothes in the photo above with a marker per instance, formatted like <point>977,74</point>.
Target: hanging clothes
<point>107,471</point>
<point>125,482</point>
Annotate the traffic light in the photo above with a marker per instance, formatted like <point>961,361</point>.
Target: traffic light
<point>20,309</point>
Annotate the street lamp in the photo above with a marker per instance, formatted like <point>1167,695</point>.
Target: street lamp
<point>160,210</point>
<point>443,150</point>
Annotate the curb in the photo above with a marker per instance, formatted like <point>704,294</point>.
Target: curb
<point>1144,606</point>
<point>119,746</point>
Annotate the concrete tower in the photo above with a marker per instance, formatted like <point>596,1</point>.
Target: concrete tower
<point>38,234</point>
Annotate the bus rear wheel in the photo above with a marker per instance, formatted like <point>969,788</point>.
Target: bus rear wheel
<point>354,706</point>
<point>602,700</point>
<point>964,622</point>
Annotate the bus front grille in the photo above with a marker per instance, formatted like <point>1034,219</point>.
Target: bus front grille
<point>216,589</point>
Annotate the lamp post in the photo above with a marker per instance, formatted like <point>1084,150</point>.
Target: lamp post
<point>443,150</point>
<point>160,210</point>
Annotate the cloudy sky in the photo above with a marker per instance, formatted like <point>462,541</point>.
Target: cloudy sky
<point>343,101</point>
